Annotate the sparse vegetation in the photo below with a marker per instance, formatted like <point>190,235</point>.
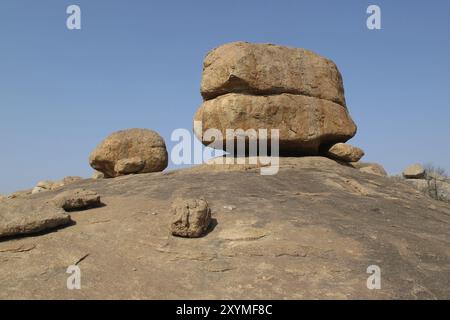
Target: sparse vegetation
<point>436,177</point>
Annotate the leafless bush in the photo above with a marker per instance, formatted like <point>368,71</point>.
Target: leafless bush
<point>436,177</point>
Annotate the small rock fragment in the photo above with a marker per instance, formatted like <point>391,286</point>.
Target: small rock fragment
<point>38,190</point>
<point>345,152</point>
<point>372,168</point>
<point>98,175</point>
<point>191,218</point>
<point>78,199</point>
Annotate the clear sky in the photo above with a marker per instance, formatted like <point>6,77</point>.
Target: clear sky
<point>138,64</point>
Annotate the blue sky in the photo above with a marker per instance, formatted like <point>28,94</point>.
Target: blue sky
<point>138,64</point>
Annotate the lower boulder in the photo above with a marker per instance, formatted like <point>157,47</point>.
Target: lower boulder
<point>304,123</point>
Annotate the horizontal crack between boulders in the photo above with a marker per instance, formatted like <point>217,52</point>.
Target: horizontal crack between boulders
<point>269,94</point>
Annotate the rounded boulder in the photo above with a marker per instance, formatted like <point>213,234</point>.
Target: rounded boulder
<point>130,146</point>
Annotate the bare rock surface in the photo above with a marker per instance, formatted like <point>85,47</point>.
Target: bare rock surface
<point>308,232</point>
<point>372,168</point>
<point>130,151</point>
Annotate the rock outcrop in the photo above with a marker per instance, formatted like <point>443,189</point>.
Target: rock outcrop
<point>308,232</point>
<point>191,218</point>
<point>264,86</point>
<point>130,151</point>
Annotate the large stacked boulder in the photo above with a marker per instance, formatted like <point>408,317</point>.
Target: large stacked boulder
<point>130,151</point>
<point>264,86</point>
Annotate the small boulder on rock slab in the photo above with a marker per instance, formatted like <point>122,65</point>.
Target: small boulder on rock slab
<point>415,171</point>
<point>98,175</point>
<point>71,179</point>
<point>46,185</point>
<point>345,152</point>
<point>191,218</point>
<point>76,200</point>
<point>26,217</point>
<point>372,168</point>
<point>38,190</point>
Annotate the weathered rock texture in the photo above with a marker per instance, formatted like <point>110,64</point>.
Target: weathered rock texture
<point>305,123</point>
<point>98,175</point>
<point>18,216</point>
<point>78,199</point>
<point>267,69</point>
<point>130,151</point>
<point>191,218</point>
<point>309,232</point>
<point>415,171</point>
<point>345,152</point>
<point>372,168</point>
<point>48,185</point>
<point>264,86</point>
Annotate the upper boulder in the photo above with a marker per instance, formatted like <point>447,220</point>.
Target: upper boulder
<point>242,67</point>
<point>114,156</point>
